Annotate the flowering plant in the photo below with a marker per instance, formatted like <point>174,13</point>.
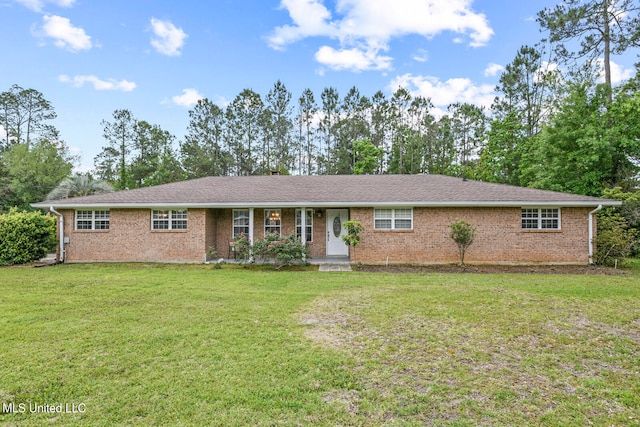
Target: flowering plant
<point>283,250</point>
<point>242,247</point>
<point>212,253</point>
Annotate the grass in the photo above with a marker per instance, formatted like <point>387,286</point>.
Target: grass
<point>190,345</point>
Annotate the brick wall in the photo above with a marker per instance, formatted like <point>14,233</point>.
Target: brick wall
<point>499,238</point>
<point>130,238</point>
<point>211,226</point>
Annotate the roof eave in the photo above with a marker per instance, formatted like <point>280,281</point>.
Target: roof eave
<point>328,204</point>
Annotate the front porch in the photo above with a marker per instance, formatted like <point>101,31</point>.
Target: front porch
<point>320,229</point>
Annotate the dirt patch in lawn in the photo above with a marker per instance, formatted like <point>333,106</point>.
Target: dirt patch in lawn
<point>492,269</point>
<point>436,370</point>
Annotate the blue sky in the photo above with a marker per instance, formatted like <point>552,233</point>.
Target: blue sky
<point>157,57</point>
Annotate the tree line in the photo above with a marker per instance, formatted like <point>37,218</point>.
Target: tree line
<point>545,129</point>
<point>256,135</point>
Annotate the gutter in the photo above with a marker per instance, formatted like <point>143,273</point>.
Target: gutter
<point>331,204</point>
<point>591,232</point>
<point>62,256</point>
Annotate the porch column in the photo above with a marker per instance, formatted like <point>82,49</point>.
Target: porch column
<point>303,224</point>
<point>251,225</point>
<point>303,231</point>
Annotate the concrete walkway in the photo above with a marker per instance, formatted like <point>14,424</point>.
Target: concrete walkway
<point>335,267</point>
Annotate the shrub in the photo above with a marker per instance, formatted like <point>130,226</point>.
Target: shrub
<point>615,239</point>
<point>630,211</point>
<point>283,250</point>
<point>463,234</point>
<point>212,253</point>
<point>25,236</point>
<point>242,247</point>
<point>264,247</point>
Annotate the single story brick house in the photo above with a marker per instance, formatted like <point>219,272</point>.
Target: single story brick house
<point>405,217</point>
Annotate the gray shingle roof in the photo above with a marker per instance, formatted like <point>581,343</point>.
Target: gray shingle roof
<point>328,190</point>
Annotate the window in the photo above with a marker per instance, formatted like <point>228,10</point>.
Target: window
<point>540,219</point>
<point>92,220</point>
<point>308,224</point>
<point>240,222</point>
<point>272,221</point>
<point>169,219</point>
<point>393,219</point>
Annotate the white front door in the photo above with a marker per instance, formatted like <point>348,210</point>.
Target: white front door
<point>335,229</point>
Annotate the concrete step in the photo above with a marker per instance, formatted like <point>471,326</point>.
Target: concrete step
<point>335,267</point>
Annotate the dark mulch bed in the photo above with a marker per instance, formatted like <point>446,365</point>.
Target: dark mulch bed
<point>493,269</point>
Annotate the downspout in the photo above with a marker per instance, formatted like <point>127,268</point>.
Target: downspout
<point>60,231</point>
<point>591,232</point>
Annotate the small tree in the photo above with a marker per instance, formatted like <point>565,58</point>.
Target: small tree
<point>463,234</point>
<point>352,238</point>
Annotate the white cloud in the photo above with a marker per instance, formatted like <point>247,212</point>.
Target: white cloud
<point>352,59</point>
<point>445,93</point>
<point>618,72</point>
<point>310,18</point>
<point>38,5</point>
<point>493,70</point>
<point>369,25</point>
<point>98,84</point>
<point>168,38</point>
<point>188,98</point>
<point>221,101</point>
<point>4,135</point>
<point>65,35</point>
<point>421,56</point>
<point>381,20</point>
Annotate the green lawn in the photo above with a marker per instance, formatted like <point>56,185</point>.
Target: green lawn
<point>192,345</point>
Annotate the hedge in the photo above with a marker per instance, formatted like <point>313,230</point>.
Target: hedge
<point>25,236</point>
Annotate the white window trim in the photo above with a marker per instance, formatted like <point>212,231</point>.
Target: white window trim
<point>539,227</point>
<point>170,220</point>
<point>279,226</point>
<point>393,219</point>
<point>93,219</point>
<point>309,225</point>
<point>233,224</point>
